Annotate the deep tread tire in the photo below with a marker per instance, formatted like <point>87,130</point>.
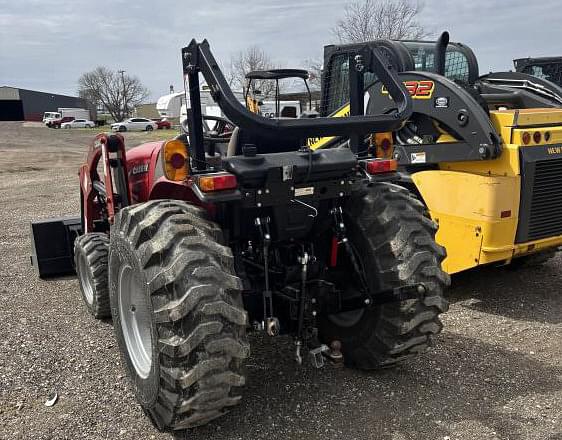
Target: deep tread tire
<point>198,321</point>
<point>93,249</point>
<point>395,239</point>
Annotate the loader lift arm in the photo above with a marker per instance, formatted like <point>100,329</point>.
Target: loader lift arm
<point>438,103</point>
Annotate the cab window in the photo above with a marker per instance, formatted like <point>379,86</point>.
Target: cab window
<point>551,72</point>
<point>456,62</point>
<point>338,83</point>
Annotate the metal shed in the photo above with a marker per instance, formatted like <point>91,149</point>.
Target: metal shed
<point>29,105</point>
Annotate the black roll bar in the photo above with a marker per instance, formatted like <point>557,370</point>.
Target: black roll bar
<point>198,58</point>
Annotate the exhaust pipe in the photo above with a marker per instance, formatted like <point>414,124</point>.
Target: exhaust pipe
<point>440,50</point>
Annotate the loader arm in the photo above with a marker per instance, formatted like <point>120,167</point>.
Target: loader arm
<point>452,109</point>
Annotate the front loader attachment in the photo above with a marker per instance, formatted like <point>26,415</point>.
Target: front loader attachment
<point>52,244</point>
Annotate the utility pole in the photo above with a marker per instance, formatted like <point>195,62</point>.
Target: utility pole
<point>125,109</point>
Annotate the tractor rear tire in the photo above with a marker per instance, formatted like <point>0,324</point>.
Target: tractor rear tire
<point>90,259</point>
<point>177,312</point>
<point>394,241</point>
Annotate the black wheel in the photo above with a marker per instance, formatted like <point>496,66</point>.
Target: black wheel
<point>122,128</point>
<point>149,128</point>
<point>90,259</point>
<point>177,312</point>
<point>393,244</point>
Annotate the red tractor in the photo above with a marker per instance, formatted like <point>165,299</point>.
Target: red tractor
<point>188,246</point>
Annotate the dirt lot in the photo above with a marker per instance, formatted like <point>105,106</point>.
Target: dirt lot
<point>495,372</point>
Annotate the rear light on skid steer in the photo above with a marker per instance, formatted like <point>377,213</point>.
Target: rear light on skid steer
<point>379,166</point>
<point>217,182</point>
<point>383,143</point>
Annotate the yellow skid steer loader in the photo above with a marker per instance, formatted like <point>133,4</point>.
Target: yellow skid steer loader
<point>484,153</point>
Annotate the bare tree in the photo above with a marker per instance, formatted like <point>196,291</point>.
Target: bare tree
<point>314,67</point>
<point>117,92</point>
<point>366,20</point>
<point>253,58</point>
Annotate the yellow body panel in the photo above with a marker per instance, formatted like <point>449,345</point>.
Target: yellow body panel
<point>321,142</point>
<point>477,203</point>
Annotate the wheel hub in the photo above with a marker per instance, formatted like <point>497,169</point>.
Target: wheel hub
<point>85,280</point>
<point>136,321</point>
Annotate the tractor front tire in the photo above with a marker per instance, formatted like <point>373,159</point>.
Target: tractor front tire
<point>90,260</point>
<point>394,242</point>
<point>177,312</point>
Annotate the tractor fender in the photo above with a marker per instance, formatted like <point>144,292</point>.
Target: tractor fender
<point>142,169</point>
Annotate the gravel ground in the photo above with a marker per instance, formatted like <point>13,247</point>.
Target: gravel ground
<point>495,372</point>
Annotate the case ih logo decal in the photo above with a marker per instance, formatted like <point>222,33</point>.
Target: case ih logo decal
<point>417,89</point>
<point>140,168</point>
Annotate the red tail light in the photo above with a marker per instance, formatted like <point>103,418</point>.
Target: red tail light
<point>378,166</point>
<point>217,182</point>
<point>537,137</point>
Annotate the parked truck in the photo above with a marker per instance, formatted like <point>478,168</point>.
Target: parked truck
<point>64,114</point>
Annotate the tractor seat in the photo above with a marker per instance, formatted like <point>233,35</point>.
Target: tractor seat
<point>241,137</point>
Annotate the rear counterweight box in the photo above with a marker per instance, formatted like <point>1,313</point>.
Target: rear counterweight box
<point>52,245</point>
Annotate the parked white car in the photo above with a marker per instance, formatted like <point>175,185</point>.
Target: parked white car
<point>135,124</point>
<point>79,123</point>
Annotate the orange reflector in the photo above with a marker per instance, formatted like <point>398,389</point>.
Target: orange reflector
<point>526,138</point>
<point>383,144</point>
<point>216,182</point>
<point>505,214</point>
<point>378,166</point>
<point>174,160</point>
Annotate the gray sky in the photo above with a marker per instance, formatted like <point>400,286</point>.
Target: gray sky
<point>46,45</point>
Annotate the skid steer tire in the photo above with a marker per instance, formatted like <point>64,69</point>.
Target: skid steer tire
<point>177,312</point>
<point>90,260</point>
<point>394,241</point>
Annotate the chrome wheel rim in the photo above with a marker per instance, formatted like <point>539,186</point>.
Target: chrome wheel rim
<point>135,321</point>
<point>85,280</point>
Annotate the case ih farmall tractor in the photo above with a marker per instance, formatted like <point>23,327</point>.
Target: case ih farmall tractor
<point>187,248</point>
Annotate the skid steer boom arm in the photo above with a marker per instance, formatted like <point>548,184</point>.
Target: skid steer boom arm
<point>454,109</point>
<point>198,59</point>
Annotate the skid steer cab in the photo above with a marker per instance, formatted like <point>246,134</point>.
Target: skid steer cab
<point>188,247</point>
<point>483,153</point>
